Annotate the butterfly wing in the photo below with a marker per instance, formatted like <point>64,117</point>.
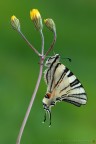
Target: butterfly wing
<point>49,76</point>
<point>68,88</point>
<point>62,85</point>
<point>50,80</point>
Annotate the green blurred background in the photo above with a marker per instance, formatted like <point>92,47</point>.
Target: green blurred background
<point>76,38</point>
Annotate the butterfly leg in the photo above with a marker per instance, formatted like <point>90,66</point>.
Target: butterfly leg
<point>45,117</point>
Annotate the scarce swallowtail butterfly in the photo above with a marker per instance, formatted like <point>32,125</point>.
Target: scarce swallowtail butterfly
<point>62,85</point>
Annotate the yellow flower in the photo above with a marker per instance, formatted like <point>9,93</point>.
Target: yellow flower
<point>12,18</point>
<point>34,14</point>
<point>15,23</point>
<point>36,18</point>
<point>50,24</point>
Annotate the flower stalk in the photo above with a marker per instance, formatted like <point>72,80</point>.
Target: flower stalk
<point>51,26</point>
<point>42,46</point>
<point>52,45</point>
<point>30,45</point>
<point>37,21</point>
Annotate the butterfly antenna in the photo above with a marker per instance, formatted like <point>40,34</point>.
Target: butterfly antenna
<point>68,59</point>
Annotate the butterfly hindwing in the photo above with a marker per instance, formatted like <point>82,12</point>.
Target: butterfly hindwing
<point>62,85</point>
<point>69,88</point>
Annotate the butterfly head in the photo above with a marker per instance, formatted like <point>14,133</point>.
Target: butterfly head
<point>52,59</point>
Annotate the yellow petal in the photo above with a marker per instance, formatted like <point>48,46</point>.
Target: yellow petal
<point>13,17</point>
<point>36,18</point>
<point>34,14</point>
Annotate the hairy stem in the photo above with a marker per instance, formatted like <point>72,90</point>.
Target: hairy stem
<point>52,45</point>
<point>30,104</point>
<point>30,45</point>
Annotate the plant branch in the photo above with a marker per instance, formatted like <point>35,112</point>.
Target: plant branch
<point>42,37</point>
<point>37,85</point>
<point>30,104</point>
<point>30,45</point>
<point>52,45</point>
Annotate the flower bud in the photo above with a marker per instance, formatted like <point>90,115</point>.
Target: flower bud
<point>36,18</point>
<point>50,24</point>
<point>15,23</point>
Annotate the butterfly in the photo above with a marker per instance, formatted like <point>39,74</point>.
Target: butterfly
<point>62,85</point>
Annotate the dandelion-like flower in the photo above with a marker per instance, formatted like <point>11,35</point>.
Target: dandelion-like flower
<point>15,23</point>
<point>50,24</point>
<point>36,18</point>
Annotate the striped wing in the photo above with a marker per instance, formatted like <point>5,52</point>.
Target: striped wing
<point>62,85</point>
<point>66,86</point>
<point>49,76</point>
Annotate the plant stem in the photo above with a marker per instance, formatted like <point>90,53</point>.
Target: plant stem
<point>42,57</point>
<point>31,103</point>
<point>31,46</point>
<point>51,47</point>
<point>42,37</point>
<point>37,84</point>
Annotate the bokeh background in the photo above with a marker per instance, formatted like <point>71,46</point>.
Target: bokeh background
<point>76,38</point>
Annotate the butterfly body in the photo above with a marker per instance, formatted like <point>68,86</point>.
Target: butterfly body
<point>62,85</point>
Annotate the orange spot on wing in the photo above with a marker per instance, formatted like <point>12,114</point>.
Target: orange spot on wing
<point>48,94</point>
<point>51,95</point>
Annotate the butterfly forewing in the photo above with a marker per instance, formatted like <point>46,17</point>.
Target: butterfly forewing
<point>62,85</point>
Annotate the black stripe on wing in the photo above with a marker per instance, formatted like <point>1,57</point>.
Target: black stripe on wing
<point>49,70</point>
<point>76,99</point>
<point>58,99</point>
<point>64,98</point>
<point>64,88</point>
<point>75,82</point>
<point>79,96</point>
<point>72,102</point>
<point>62,76</point>
<point>58,64</point>
<point>53,103</point>
<point>70,74</point>
<point>47,79</point>
<point>77,87</point>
